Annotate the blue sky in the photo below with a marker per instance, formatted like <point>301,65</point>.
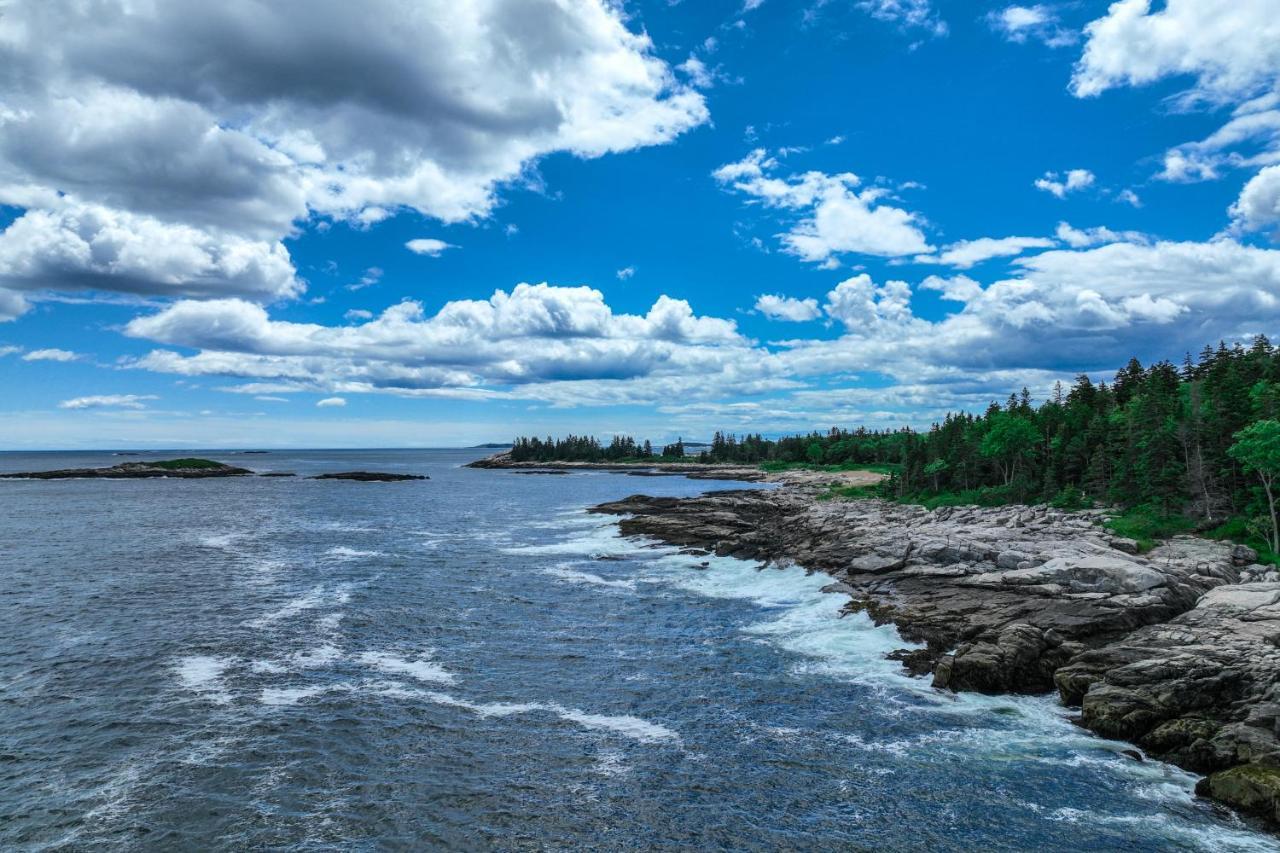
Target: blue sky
<point>662,218</point>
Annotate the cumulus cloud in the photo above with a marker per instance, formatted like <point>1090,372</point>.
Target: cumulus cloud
<point>1258,207</point>
<point>358,314</point>
<point>1039,22</point>
<point>115,401</point>
<point>331,403</point>
<point>50,355</point>
<point>829,215</point>
<point>1230,47</point>
<point>532,334</point>
<point>428,246</point>
<point>1060,185</point>
<point>88,247</point>
<point>625,273</point>
<point>426,105</point>
<point>1059,312</point>
<point>778,307</point>
<point>966,253</point>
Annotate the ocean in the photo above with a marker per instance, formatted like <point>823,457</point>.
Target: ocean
<point>474,662</point>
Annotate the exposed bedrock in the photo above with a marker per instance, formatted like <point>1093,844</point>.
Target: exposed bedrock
<point>1177,649</point>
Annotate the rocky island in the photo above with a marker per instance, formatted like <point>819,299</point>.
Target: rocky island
<point>183,469</point>
<point>1174,650</point>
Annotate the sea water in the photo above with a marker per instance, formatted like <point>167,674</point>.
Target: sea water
<point>475,662</point>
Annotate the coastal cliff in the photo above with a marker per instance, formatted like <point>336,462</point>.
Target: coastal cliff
<point>1175,649</point>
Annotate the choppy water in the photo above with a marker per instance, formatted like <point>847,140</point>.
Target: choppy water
<point>474,662</point>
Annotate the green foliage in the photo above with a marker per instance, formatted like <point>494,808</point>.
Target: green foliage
<point>1071,498</point>
<point>1257,449</point>
<point>1148,523</point>
<point>176,464</point>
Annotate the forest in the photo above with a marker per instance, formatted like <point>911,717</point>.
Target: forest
<point>1183,448</point>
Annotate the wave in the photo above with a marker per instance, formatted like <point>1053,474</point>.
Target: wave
<point>203,674</point>
<point>422,670</point>
<point>577,577</point>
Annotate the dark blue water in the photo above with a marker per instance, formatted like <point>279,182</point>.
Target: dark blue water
<point>473,662</point>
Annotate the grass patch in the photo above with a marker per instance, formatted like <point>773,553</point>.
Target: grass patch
<point>1148,524</point>
<point>176,464</point>
<point>850,493</point>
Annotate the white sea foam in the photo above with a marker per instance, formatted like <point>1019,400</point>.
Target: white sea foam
<point>596,540</point>
<point>342,552</point>
<point>203,674</point>
<point>220,541</point>
<point>309,600</point>
<point>574,576</point>
<point>312,599</point>
<point>318,657</point>
<point>623,724</point>
<point>422,670</point>
<point>1213,838</point>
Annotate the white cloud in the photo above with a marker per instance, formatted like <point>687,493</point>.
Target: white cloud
<point>906,13</point>
<point>428,246</point>
<point>12,305</point>
<point>1129,197</point>
<point>371,276</point>
<point>535,333</point>
<point>1250,138</point>
<point>269,398</point>
<point>331,403</point>
<point>1060,185</point>
<point>424,105</point>
<point>358,314</point>
<point>864,308</point>
<point>778,307</point>
<point>1258,206</point>
<point>1058,313</point>
<point>89,247</point>
<point>116,401</point>
<point>1230,47</point>
<point>958,288</point>
<point>9,350</point>
<point>966,253</point>
<point>1078,238</point>
<point>625,273</point>
<point>834,217</point>
<point>700,76</point>
<point>1039,22</point>
<point>50,355</point>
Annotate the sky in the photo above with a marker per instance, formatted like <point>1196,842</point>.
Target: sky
<point>408,223</point>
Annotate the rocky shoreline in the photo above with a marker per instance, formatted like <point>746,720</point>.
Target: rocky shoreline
<point>1176,650</point>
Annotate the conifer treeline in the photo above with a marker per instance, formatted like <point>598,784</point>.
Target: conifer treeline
<point>1156,437</point>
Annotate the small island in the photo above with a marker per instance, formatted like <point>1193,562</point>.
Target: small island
<point>183,469</point>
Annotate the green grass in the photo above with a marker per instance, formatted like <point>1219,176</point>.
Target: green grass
<point>1148,524</point>
<point>850,493</point>
<point>174,464</point>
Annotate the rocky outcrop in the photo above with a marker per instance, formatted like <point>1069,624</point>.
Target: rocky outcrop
<point>1177,649</point>
<point>182,469</point>
<point>1001,597</point>
<point>369,476</point>
<point>1202,690</point>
